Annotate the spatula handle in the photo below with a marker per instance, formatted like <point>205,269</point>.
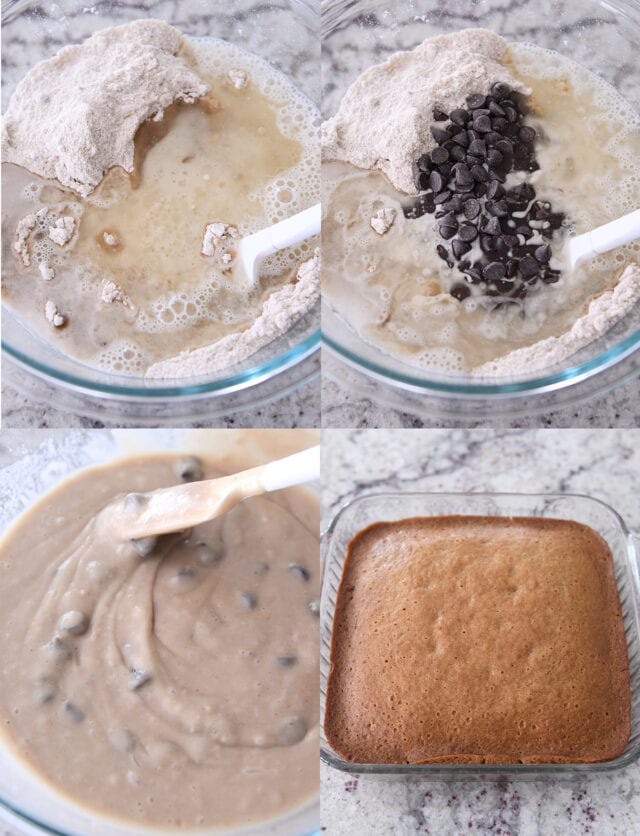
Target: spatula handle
<point>292,470</point>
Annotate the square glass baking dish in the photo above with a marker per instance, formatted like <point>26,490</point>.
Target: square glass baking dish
<point>371,508</point>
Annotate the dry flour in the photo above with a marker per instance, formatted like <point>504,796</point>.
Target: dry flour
<point>75,116</point>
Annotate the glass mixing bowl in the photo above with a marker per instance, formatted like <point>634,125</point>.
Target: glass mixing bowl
<point>602,35</point>
<point>285,33</point>
<point>31,463</point>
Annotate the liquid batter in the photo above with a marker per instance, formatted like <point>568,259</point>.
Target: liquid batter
<point>173,683</point>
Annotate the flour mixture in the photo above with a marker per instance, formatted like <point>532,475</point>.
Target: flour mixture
<point>171,682</point>
<point>134,163</point>
<point>453,178</point>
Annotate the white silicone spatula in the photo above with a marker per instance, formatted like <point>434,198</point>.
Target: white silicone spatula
<point>297,228</point>
<point>605,238</point>
<point>183,506</point>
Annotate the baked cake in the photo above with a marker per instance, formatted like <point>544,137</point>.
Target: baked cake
<point>463,639</point>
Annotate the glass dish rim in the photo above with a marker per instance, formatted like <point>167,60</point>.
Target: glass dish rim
<point>240,380</point>
<point>469,771</point>
<point>539,384</point>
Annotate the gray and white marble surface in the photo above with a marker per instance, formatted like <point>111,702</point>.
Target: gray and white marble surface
<point>604,464</point>
<point>342,407</point>
<point>591,33</point>
<point>301,408</point>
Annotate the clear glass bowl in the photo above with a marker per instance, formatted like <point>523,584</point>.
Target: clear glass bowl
<point>285,33</point>
<point>31,463</point>
<point>602,35</point>
<point>368,509</point>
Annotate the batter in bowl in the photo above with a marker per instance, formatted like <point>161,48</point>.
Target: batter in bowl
<point>453,177</point>
<point>171,683</point>
<point>134,163</point>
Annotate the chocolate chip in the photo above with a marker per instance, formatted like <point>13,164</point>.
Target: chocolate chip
<point>493,271</point>
<point>543,253</point>
<point>494,158</point>
<point>495,109</point>
<point>527,134</point>
<point>479,173</point>
<point>138,678</point>
<point>421,180</point>
<point>442,197</point>
<point>189,469</point>
<point>453,205</point>
<point>475,101</point>
<point>248,600</point>
<point>522,150</point>
<point>487,244</point>
<point>478,148</point>
<point>482,124</point>
<point>494,190</point>
<point>439,155</point>
<point>467,232</point>
<point>419,207</point>
<point>439,115</point>
<point>505,146</point>
<point>461,138</point>
<point>293,730</point>
<point>143,546</point>
<point>299,571</point>
<point>439,134</point>
<point>424,163</point>
<point>471,208</point>
<point>436,181</point>
<point>453,130</point>
<point>500,90</point>
<point>459,116</point>
<point>550,276</point>
<point>500,124</point>
<point>480,189</point>
<point>474,275</point>
<point>460,292</point>
<point>511,268</point>
<point>463,174</point>
<point>447,231</point>
<point>555,220</point>
<point>528,267</point>
<point>208,556</point>
<point>71,710</point>
<point>444,254</point>
<point>457,153</point>
<point>497,207</point>
<point>460,248</point>
<point>510,112</point>
<point>492,227</point>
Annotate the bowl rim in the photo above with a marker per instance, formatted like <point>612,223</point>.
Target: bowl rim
<point>457,771</point>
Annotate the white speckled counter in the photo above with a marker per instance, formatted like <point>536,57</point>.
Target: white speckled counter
<point>603,464</point>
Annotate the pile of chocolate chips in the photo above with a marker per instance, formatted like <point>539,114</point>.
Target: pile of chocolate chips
<point>461,181</point>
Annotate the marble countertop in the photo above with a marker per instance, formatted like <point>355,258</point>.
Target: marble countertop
<point>605,465</point>
<point>300,408</point>
<point>342,407</point>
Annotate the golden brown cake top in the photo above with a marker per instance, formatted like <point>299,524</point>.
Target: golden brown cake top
<point>477,640</point>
